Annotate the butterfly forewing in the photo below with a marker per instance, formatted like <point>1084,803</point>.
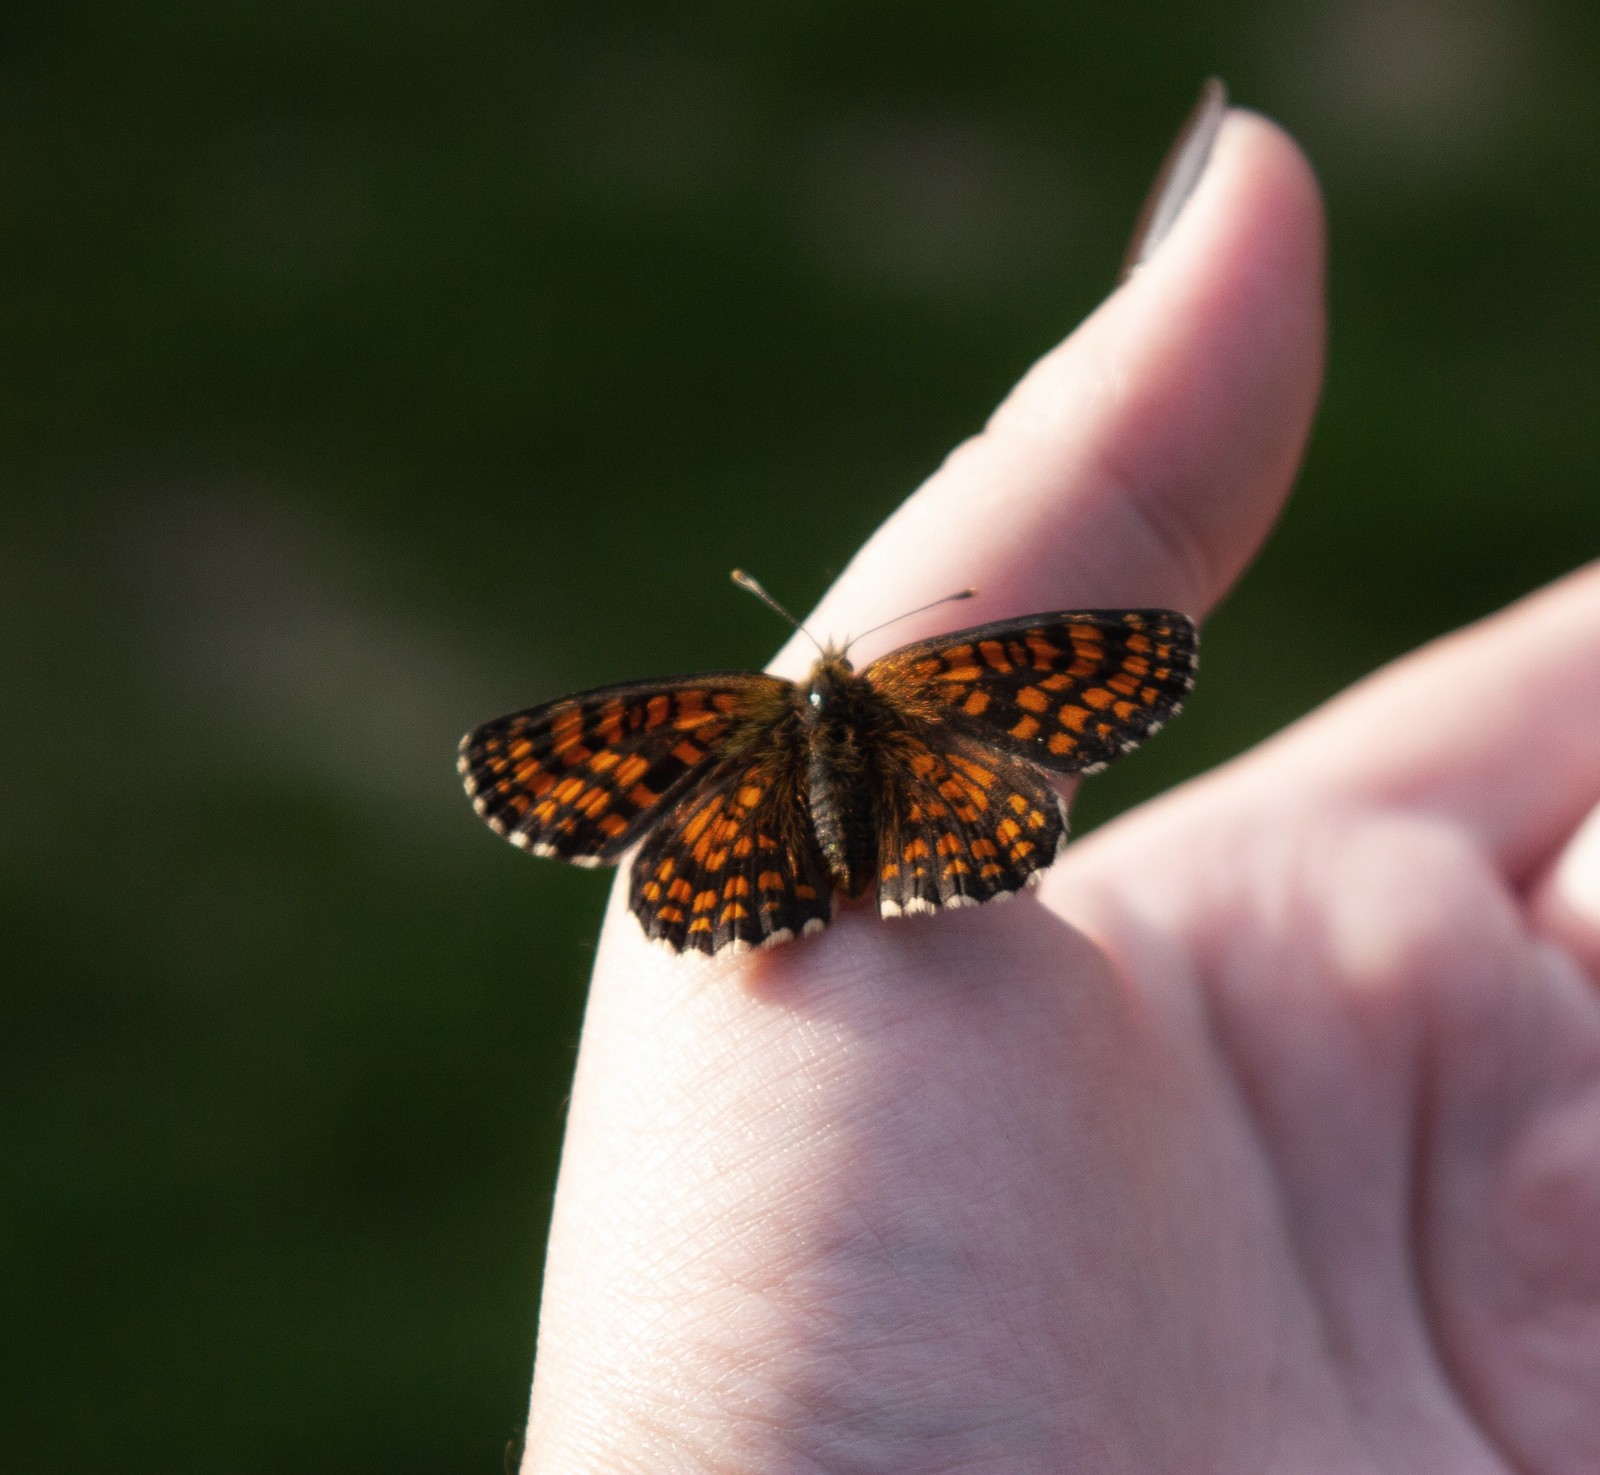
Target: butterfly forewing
<point>1067,691</point>
<point>581,779</point>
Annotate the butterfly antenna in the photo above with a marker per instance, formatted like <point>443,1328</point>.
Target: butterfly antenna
<point>934,604</point>
<point>752,586</point>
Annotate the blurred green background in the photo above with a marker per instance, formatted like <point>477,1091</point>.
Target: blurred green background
<point>371,369</point>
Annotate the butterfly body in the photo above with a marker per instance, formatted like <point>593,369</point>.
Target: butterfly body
<point>844,723</point>
<point>759,800</point>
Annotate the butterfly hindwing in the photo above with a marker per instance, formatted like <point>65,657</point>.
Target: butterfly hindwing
<point>961,825</point>
<point>580,779</point>
<point>1067,691</point>
<point>735,863</point>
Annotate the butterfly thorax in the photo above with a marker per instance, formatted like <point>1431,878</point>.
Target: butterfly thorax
<point>843,719</point>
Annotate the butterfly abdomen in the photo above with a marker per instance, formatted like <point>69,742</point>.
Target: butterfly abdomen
<point>842,718</point>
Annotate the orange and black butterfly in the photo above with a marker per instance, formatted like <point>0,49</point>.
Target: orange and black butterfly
<point>760,800</point>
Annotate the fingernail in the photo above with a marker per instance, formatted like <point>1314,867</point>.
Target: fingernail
<point>1180,172</point>
<point>1578,873</point>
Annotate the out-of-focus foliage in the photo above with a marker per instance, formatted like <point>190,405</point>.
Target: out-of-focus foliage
<point>368,369</point>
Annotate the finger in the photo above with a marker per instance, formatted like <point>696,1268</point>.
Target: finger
<point>741,1124</point>
<point>1566,904</point>
<point>1493,728</point>
<point>1142,461</point>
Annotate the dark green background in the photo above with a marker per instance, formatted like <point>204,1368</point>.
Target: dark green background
<point>369,369</point>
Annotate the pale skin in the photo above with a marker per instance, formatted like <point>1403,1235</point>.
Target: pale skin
<point>1263,1137</point>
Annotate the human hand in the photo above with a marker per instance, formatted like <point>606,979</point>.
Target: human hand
<point>1265,1135</point>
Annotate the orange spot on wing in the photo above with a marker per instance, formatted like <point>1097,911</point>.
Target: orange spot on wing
<point>703,817</point>
<point>609,726</point>
<point>1043,652</point>
<point>537,781</point>
<point>1031,699</point>
<point>1025,729</point>
<point>976,772</point>
<point>631,770</point>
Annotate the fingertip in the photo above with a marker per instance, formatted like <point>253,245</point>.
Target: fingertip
<point>1204,368</point>
<point>1141,461</point>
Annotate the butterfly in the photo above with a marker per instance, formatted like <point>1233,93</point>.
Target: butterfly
<point>760,801</point>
